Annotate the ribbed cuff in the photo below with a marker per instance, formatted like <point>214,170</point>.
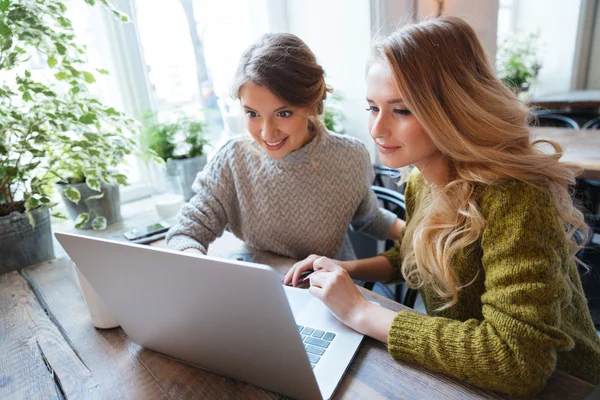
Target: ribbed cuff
<point>393,256</point>
<point>181,243</point>
<point>404,337</point>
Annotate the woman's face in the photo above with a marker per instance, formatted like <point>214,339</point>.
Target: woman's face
<point>278,128</point>
<point>400,138</point>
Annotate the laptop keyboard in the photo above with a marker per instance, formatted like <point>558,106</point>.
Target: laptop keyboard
<point>315,342</point>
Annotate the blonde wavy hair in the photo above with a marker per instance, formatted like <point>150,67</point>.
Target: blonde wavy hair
<point>481,128</point>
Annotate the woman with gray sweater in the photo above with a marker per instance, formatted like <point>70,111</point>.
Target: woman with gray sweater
<point>292,187</point>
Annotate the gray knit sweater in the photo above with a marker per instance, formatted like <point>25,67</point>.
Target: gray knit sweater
<point>299,205</point>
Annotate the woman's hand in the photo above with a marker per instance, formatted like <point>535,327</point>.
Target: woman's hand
<point>293,275</point>
<point>332,284</point>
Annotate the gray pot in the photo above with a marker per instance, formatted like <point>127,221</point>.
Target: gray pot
<point>108,206</point>
<point>21,245</point>
<point>187,169</point>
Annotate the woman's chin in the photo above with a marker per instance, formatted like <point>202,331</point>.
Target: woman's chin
<point>392,162</point>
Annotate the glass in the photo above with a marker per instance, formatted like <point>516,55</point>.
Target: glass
<point>168,193</point>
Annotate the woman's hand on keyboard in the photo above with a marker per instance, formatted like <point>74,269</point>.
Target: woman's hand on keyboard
<point>293,276</point>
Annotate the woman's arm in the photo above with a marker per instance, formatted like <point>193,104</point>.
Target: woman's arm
<point>204,217</point>
<point>512,348</point>
<point>372,269</point>
<point>397,227</point>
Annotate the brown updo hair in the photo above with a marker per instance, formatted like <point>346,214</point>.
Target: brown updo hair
<point>283,64</point>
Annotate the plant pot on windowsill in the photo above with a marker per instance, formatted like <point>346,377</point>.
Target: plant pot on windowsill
<point>91,209</point>
<point>187,169</point>
<point>22,244</point>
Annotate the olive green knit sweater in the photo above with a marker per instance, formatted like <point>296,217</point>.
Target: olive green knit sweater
<point>519,319</point>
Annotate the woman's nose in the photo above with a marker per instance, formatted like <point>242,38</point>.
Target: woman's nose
<point>380,126</point>
<point>269,131</point>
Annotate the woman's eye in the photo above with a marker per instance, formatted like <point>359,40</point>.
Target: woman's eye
<point>284,114</point>
<point>251,114</point>
<point>402,111</point>
<point>372,109</point>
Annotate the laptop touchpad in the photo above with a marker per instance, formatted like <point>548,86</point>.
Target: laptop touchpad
<point>297,298</point>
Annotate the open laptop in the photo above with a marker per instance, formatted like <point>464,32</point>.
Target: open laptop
<point>227,316</point>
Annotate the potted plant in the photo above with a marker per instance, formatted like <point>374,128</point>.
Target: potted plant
<point>40,123</point>
<point>517,62</point>
<point>87,170</point>
<point>181,145</point>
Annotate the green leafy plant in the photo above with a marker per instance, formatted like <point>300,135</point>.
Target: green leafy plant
<point>52,129</point>
<point>333,116</point>
<point>517,61</point>
<point>184,138</point>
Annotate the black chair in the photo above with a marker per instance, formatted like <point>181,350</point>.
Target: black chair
<point>387,178</point>
<point>549,119</point>
<point>366,246</point>
<point>593,124</point>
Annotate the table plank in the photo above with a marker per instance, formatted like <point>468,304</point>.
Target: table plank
<point>577,99</point>
<point>37,361</point>
<point>373,374</point>
<point>122,368</point>
<point>581,147</point>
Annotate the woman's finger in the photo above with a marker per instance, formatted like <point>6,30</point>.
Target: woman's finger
<point>319,279</point>
<point>316,292</point>
<point>293,275</point>
<point>290,274</point>
<point>324,263</point>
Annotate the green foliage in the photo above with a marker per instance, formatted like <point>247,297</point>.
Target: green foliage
<point>177,140</point>
<point>517,62</point>
<point>52,129</point>
<point>333,116</point>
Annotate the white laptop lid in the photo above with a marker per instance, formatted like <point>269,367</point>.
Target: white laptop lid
<point>225,316</point>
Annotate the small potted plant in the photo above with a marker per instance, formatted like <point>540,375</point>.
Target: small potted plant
<point>181,145</point>
<point>87,170</point>
<point>517,62</point>
<point>41,120</point>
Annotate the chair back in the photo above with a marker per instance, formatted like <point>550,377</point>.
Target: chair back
<point>367,246</point>
<point>548,119</point>
<point>593,124</point>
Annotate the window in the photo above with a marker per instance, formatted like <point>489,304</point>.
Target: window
<point>176,58</point>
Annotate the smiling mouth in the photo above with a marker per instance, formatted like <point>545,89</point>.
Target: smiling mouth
<point>387,149</point>
<point>275,145</point>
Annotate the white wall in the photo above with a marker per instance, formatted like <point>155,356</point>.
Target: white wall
<point>339,33</point>
<point>593,78</point>
<point>481,14</point>
<point>557,23</point>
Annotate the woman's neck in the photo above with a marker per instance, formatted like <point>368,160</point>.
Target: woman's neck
<point>435,170</point>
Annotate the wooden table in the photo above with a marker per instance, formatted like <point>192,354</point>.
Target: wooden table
<point>581,147</point>
<point>577,99</point>
<point>50,350</point>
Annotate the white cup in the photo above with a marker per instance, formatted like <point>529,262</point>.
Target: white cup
<point>101,317</point>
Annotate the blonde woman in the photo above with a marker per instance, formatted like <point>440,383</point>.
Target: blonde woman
<point>490,240</point>
<point>291,187</point>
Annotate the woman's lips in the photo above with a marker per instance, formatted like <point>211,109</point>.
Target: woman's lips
<point>387,149</point>
<point>273,146</point>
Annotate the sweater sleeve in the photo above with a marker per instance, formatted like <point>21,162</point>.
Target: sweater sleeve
<point>512,349</point>
<point>369,218</point>
<point>204,217</point>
